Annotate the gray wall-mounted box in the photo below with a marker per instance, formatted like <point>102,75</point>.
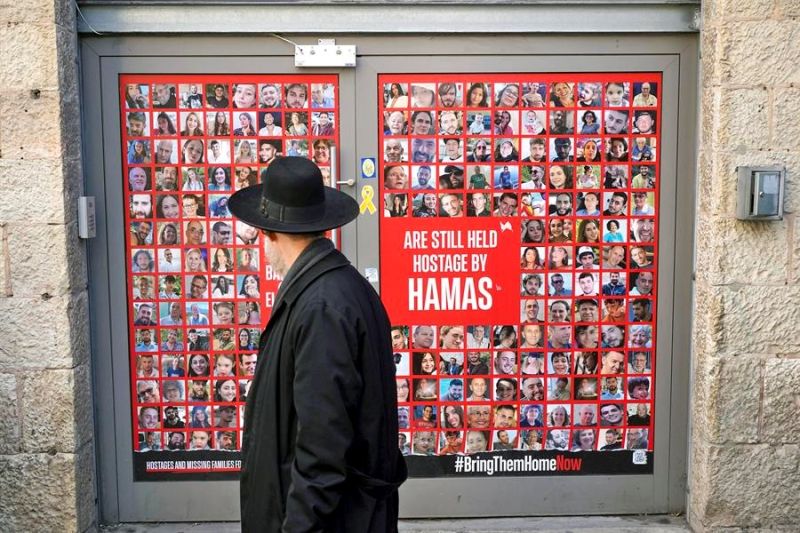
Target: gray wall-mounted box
<point>759,195</point>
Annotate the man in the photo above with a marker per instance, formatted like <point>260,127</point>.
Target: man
<point>172,419</point>
<point>559,336</point>
<point>141,206</point>
<point>270,96</point>
<point>175,316</point>
<point>612,440</point>
<point>247,364</point>
<point>218,100</point>
<point>614,287</point>
<point>447,94</point>
<point>530,312</point>
<point>452,337</point>
<point>505,362</point>
<point>193,100</point>
<point>560,392</point>
<point>644,122</point>
<point>423,337</point>
<point>393,151</point>
<point>323,126</point>
<point>643,180</point>
<point>221,233</point>
<point>196,318</point>
<point>645,98</point>
<point>455,392</point>
<point>616,122</point>
<point>196,342</point>
<point>538,152</point>
<point>226,440</point>
<point>587,310</point>
<point>506,205</point>
<point>477,338</point>
<point>164,96</point>
<point>167,179</point>
<point>296,96</point>
<point>225,416</point>
<point>476,365</point>
<point>615,258</point>
<point>144,316</point>
<point>637,439</point>
<point>164,151</point>
<point>267,151</point>
<point>452,150</point>
<point>586,416</point>
<point>563,206</point>
<point>611,389</point>
<point>137,122</point>
<point>586,282</point>
<point>611,414</point>
<point>399,338</point>
<point>558,123</point>
<point>503,441</point>
<point>315,456</point>
<point>422,150</point>
<point>223,340</point>
<point>557,286</point>
<point>318,98</point>
<point>505,416</point>
<point>613,363</point>
<point>562,148</point>
<point>617,205</point>
<point>643,285</point>
<point>197,288</point>
<point>641,310</point>
<point>195,233</point>
<point>559,311</point>
<point>149,418</point>
<point>423,178</point>
<point>177,441</point>
<point>452,206</point>
<point>640,207</point>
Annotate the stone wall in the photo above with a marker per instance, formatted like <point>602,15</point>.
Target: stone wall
<point>46,442</point>
<point>745,450</point>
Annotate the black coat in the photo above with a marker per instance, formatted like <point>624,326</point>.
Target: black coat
<point>320,441</point>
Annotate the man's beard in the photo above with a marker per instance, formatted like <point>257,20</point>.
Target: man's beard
<point>275,259</point>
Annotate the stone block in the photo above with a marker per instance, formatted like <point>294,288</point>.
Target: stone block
<point>727,398</point>
<point>9,415</point>
<point>35,131</point>
<point>41,259</point>
<point>39,333</point>
<point>37,11</point>
<point>40,492</point>
<point>744,252</point>
<point>709,309</point>
<point>760,320</point>
<point>56,410</point>
<point>30,56</point>
<point>752,9</point>
<point>33,191</point>
<point>788,8</point>
<point>739,480</point>
<point>781,401</point>
<point>795,251</point>
<point>786,129</point>
<point>754,52</point>
<point>743,119</point>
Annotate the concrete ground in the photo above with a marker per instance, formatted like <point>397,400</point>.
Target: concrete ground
<point>582,524</point>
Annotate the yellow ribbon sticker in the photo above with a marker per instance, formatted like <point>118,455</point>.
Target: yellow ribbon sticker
<point>367,193</point>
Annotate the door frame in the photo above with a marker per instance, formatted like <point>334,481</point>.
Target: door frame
<point>104,58</point>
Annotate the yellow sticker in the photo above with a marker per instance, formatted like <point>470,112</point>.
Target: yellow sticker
<point>367,194</point>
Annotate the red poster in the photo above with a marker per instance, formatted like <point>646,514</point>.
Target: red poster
<point>518,245</point>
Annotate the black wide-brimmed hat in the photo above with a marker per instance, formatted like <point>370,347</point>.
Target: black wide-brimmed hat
<point>293,199</point>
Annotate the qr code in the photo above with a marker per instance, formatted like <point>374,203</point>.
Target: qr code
<point>640,457</point>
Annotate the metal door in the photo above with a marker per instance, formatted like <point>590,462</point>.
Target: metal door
<point>106,60</point>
